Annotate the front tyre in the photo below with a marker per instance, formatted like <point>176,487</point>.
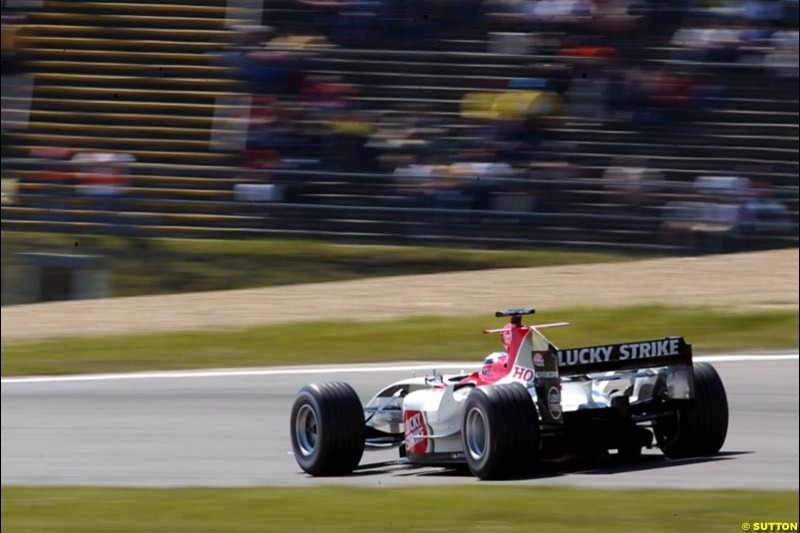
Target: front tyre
<point>701,428</point>
<point>500,431</point>
<point>327,429</point>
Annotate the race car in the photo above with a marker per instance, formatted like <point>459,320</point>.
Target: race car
<point>529,402</point>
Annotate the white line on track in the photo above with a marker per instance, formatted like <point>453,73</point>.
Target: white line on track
<point>333,369</point>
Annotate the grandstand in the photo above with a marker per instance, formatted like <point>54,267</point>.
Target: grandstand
<point>144,78</point>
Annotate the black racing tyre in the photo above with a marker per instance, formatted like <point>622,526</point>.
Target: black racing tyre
<point>701,428</point>
<point>500,431</point>
<point>327,429</point>
<point>630,445</point>
<point>629,452</point>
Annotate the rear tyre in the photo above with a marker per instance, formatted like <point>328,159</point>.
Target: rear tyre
<point>500,431</point>
<point>629,449</point>
<point>327,429</point>
<point>699,429</point>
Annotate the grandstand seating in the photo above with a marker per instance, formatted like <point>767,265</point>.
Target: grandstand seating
<point>138,77</point>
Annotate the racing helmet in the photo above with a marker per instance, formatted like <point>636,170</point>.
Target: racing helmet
<point>490,360</point>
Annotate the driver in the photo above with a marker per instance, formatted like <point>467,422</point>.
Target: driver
<point>491,360</point>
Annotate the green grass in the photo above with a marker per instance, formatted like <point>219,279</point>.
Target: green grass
<point>426,339</point>
<point>158,266</point>
<point>345,509</point>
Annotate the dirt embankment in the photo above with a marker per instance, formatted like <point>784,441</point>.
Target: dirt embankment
<point>758,279</point>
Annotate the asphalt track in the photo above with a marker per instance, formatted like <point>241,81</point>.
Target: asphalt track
<point>231,429</point>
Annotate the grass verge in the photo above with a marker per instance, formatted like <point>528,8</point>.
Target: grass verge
<point>142,266</point>
<point>421,338</point>
<point>339,509</point>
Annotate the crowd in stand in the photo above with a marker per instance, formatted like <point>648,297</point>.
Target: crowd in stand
<point>590,64</point>
<point>650,67</point>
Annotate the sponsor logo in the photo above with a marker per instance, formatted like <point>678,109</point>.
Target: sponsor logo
<point>622,352</point>
<point>643,350</point>
<point>554,403</point>
<point>416,433</point>
<point>538,360</point>
<point>522,373</point>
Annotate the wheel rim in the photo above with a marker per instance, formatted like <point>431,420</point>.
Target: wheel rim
<point>476,433</point>
<point>305,429</point>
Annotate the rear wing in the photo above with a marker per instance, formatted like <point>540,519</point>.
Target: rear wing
<point>669,351</point>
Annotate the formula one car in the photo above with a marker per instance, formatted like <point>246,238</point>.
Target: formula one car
<point>529,402</point>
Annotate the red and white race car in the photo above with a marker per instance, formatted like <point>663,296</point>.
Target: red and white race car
<point>528,402</point>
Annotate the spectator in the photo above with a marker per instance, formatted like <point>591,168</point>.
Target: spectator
<point>12,51</point>
<point>53,182</point>
<point>728,215</point>
<point>102,175</point>
<point>632,182</point>
<point>783,58</point>
<point>715,41</point>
